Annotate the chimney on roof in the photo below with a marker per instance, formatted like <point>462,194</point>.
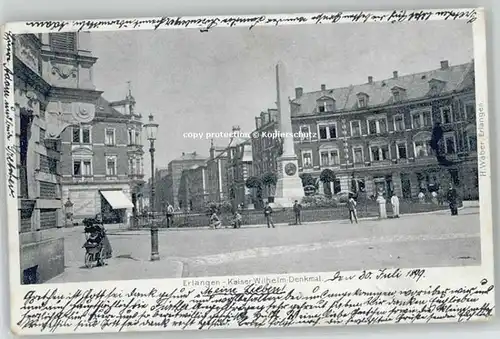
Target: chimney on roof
<point>445,64</point>
<point>298,92</point>
<point>370,79</point>
<point>395,74</point>
<point>183,153</point>
<point>323,87</point>
<point>194,153</point>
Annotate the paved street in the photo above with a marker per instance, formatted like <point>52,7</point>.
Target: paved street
<point>434,239</point>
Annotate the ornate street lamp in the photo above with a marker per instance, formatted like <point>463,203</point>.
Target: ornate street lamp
<point>151,132</point>
<point>68,212</point>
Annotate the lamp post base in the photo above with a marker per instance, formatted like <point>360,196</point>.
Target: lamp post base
<point>155,257</point>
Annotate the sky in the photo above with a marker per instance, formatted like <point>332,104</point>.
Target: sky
<point>208,82</point>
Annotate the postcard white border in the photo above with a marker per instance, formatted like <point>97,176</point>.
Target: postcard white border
<point>453,275</point>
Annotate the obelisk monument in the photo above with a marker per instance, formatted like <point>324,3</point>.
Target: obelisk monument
<point>289,185</point>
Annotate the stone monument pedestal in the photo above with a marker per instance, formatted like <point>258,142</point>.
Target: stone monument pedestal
<point>289,185</point>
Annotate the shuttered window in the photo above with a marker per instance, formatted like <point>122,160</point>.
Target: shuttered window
<point>48,165</point>
<point>48,190</point>
<point>26,220</point>
<point>48,218</point>
<point>63,41</point>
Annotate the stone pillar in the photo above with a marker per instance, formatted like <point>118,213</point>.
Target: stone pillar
<point>289,185</point>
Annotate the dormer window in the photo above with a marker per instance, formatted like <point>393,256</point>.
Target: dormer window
<point>398,93</point>
<point>326,104</point>
<point>362,100</point>
<point>436,86</point>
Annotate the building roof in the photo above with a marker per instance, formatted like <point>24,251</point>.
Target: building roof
<point>104,109</point>
<point>415,86</point>
<point>190,156</point>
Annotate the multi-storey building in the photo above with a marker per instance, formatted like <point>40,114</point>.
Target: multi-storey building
<point>376,136</point>
<point>193,188</point>
<point>102,163</point>
<point>171,182</point>
<point>53,89</point>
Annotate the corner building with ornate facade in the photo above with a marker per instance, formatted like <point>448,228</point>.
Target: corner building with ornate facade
<point>53,90</point>
<point>377,135</point>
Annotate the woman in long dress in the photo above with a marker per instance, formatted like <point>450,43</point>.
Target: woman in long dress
<point>107,250</point>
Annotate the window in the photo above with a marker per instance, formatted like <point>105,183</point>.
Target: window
<point>446,117</point>
<point>422,149</point>
<point>138,138</point>
<point>82,167</point>
<point>377,126</point>
<point>421,119</point>
<point>325,159</point>
<point>334,158</point>
<point>379,153</point>
<point>138,166</point>
<point>307,159</point>
<point>131,135</point>
<point>42,136</point>
<point>401,149</point>
<point>326,106</point>
<point>81,135</point>
<point>76,135</point>
<point>450,146</point>
<point>329,158</point>
<point>328,131</point>
<point>472,143</point>
<point>63,41</point>
<point>355,128</point>
<point>305,133</point>
<point>358,155</point>
<point>110,136</point>
<point>362,101</point>
<point>375,153</point>
<point>470,111</point>
<point>399,123</point>
<point>397,95</point>
<point>111,166</point>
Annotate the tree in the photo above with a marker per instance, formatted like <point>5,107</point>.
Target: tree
<point>269,180</point>
<point>327,176</point>
<point>307,180</point>
<point>253,182</point>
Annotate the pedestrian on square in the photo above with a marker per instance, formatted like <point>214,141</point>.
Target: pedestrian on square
<point>421,197</point>
<point>395,205</point>
<point>434,198</point>
<point>452,198</point>
<point>107,250</point>
<point>214,221</point>
<point>297,208</point>
<point>351,205</point>
<point>237,219</point>
<point>268,211</point>
<point>170,215</point>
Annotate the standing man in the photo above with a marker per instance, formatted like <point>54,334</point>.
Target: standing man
<point>268,211</point>
<point>296,210</point>
<point>452,198</point>
<point>395,205</point>
<point>170,215</point>
<point>351,205</point>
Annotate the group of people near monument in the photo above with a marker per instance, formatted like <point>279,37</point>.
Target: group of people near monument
<point>236,220</point>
